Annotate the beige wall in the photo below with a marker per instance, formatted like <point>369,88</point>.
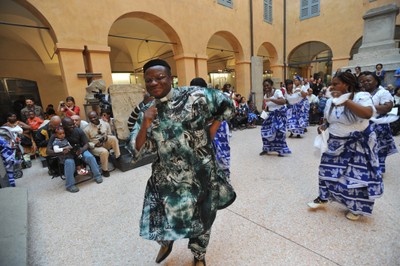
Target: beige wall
<point>191,24</point>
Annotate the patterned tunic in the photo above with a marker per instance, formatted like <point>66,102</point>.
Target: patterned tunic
<point>186,187</point>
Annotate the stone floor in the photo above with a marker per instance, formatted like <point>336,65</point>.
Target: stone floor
<point>269,224</point>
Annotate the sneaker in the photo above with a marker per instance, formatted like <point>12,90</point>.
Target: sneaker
<point>99,180</point>
<point>351,216</point>
<point>106,173</point>
<point>73,189</point>
<point>263,153</point>
<point>318,202</point>
<point>83,171</point>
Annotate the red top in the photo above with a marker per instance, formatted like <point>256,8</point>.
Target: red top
<point>34,122</point>
<point>76,110</point>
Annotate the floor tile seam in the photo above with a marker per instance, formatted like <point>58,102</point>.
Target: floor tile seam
<point>282,236</point>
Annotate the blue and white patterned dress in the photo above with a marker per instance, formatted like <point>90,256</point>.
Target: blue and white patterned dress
<point>221,147</point>
<point>8,156</point>
<point>273,129</point>
<point>386,144</point>
<point>296,118</point>
<point>349,171</point>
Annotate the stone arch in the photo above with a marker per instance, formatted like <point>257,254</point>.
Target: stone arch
<point>313,58</point>
<point>270,58</point>
<point>224,51</point>
<point>27,42</point>
<point>145,36</point>
<point>355,47</point>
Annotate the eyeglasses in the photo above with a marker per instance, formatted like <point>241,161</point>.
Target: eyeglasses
<point>156,79</point>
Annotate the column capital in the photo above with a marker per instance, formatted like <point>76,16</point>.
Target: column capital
<point>68,47</point>
<point>243,62</point>
<point>98,48</point>
<point>185,56</point>
<point>340,58</point>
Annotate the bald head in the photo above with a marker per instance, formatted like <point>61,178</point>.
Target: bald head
<point>55,122</point>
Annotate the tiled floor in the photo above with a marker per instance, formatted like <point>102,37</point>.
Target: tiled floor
<point>269,224</point>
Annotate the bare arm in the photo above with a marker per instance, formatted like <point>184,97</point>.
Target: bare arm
<point>359,110</point>
<point>214,128</point>
<point>384,108</point>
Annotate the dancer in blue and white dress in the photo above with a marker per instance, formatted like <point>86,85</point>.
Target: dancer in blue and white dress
<point>349,171</point>
<point>383,102</point>
<point>296,122</point>
<point>273,129</point>
<point>220,143</point>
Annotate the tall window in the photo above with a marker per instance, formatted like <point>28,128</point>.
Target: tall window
<point>228,3</point>
<point>309,8</point>
<point>268,11</point>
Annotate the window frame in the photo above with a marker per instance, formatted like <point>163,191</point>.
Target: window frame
<point>309,7</point>
<point>226,3</point>
<point>268,17</point>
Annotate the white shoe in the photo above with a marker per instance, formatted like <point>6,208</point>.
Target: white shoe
<point>351,216</point>
<point>318,202</point>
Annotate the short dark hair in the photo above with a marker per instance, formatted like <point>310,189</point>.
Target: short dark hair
<point>369,73</point>
<point>200,82</point>
<point>70,98</point>
<point>157,62</point>
<point>269,81</point>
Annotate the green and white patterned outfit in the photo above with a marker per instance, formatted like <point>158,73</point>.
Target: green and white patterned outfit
<point>186,187</point>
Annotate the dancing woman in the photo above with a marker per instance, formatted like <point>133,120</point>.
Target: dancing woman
<point>296,122</point>
<point>273,129</point>
<point>383,102</point>
<point>349,170</point>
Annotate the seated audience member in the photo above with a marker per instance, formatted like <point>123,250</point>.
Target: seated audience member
<point>60,143</point>
<point>78,122</point>
<point>49,114</point>
<point>101,140</point>
<point>15,125</point>
<point>30,106</point>
<point>33,121</point>
<point>42,137</point>
<point>106,117</point>
<point>68,108</point>
<point>79,143</point>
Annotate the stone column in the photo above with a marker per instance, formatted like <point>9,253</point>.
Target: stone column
<point>201,67</point>
<point>243,77</point>
<point>71,62</point>
<point>185,68</point>
<point>256,80</point>
<point>98,60</point>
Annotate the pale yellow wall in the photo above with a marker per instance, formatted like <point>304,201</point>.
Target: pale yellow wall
<point>189,23</point>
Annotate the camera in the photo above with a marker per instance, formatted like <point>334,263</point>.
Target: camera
<point>103,103</point>
<point>62,104</point>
